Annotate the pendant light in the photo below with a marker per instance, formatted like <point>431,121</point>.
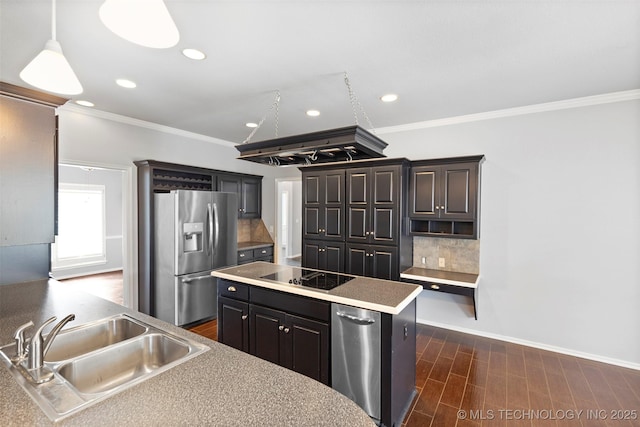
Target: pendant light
<point>50,70</point>
<point>144,22</point>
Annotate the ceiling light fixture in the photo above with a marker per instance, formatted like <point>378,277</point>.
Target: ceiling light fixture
<point>126,83</point>
<point>251,125</point>
<point>85,103</point>
<point>390,97</point>
<point>144,22</point>
<point>50,70</point>
<point>313,113</point>
<point>194,54</point>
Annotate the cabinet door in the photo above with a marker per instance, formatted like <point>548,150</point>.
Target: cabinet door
<point>231,184</point>
<point>459,191</point>
<point>333,257</point>
<point>251,198</point>
<point>267,337</point>
<point>357,260</point>
<point>307,344</point>
<point>385,205</point>
<point>333,209</point>
<point>311,251</point>
<point>384,263</point>
<point>424,192</point>
<point>312,206</point>
<point>358,194</point>
<point>233,323</point>
<point>27,167</point>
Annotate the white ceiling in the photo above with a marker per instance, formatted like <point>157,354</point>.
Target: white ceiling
<point>443,59</point>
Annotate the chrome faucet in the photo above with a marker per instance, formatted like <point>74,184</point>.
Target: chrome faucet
<point>31,358</point>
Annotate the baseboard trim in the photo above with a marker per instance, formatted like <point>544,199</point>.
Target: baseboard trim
<point>91,273</point>
<point>541,346</point>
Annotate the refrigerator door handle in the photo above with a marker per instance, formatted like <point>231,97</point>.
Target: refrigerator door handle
<point>210,225</point>
<point>217,224</point>
<point>191,279</point>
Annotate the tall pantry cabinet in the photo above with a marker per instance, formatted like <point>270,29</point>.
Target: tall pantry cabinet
<point>353,218</point>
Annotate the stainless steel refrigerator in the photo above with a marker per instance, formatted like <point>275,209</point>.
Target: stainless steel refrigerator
<point>195,233</point>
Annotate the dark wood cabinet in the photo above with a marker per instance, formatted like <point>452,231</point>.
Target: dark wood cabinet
<point>373,204</point>
<point>261,253</point>
<point>249,191</point>
<point>323,204</point>
<point>362,205</point>
<point>162,177</point>
<point>289,330</point>
<point>444,197</point>
<point>233,323</point>
<point>377,261</point>
<point>323,255</point>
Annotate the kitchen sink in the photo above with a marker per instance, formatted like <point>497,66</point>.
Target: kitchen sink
<point>117,365</point>
<point>93,336</point>
<point>96,360</point>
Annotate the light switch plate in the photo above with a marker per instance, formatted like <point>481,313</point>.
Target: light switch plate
<point>441,263</point>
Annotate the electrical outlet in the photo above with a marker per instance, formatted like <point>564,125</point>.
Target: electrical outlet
<point>424,260</point>
<point>441,263</point>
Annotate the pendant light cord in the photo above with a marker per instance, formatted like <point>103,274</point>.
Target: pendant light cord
<point>53,19</point>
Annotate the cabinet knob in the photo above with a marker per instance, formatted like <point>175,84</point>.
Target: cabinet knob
<point>435,287</point>
<point>263,251</point>
<point>281,327</point>
<point>241,255</point>
<point>231,288</point>
<point>286,330</point>
<point>441,207</point>
<point>244,316</point>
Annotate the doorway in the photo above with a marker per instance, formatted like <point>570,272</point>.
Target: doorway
<point>91,251</point>
<point>289,221</point>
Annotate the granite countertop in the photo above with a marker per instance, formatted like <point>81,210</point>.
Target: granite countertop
<point>242,246</point>
<point>222,386</point>
<point>385,296</point>
<point>454,278</point>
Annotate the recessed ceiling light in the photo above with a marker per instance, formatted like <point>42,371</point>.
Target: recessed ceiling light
<point>251,125</point>
<point>126,83</point>
<point>193,54</point>
<point>390,97</point>
<point>313,113</point>
<point>85,103</point>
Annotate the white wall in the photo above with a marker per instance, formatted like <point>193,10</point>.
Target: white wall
<point>560,227</point>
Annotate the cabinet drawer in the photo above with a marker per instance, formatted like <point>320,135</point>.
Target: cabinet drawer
<point>294,304</point>
<point>245,256</point>
<point>263,252</point>
<point>234,290</point>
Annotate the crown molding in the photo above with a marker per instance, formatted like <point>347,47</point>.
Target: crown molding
<point>142,123</point>
<point>518,111</point>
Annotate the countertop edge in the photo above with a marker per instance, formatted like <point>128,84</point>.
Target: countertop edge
<point>440,280</point>
<point>297,290</point>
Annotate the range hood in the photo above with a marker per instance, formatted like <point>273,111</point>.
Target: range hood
<point>334,145</point>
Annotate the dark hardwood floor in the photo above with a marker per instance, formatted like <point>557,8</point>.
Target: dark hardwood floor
<point>465,380</point>
<point>105,285</point>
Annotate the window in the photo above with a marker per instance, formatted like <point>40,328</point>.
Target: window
<point>81,226</point>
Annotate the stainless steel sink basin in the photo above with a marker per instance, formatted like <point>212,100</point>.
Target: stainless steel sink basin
<point>93,336</point>
<point>96,360</point>
<point>105,370</point>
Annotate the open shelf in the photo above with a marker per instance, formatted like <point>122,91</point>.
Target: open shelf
<point>440,228</point>
<point>165,180</point>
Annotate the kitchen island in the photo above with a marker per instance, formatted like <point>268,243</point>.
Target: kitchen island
<point>356,334</point>
<point>221,386</point>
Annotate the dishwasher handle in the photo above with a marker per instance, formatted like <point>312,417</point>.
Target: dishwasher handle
<point>359,320</point>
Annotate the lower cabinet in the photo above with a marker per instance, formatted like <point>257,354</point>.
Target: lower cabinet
<point>323,255</point>
<point>288,330</point>
<point>373,261</point>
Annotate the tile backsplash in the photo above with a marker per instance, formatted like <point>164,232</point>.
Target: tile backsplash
<point>461,255</point>
<point>253,230</point>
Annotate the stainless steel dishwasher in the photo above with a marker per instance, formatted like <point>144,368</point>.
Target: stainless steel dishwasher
<point>355,356</point>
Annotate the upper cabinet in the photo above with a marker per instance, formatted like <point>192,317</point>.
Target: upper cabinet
<point>28,166</point>
<point>444,197</point>
<point>373,204</point>
<point>249,191</point>
<point>323,204</point>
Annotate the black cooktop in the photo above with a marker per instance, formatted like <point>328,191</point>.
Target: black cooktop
<point>322,280</point>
